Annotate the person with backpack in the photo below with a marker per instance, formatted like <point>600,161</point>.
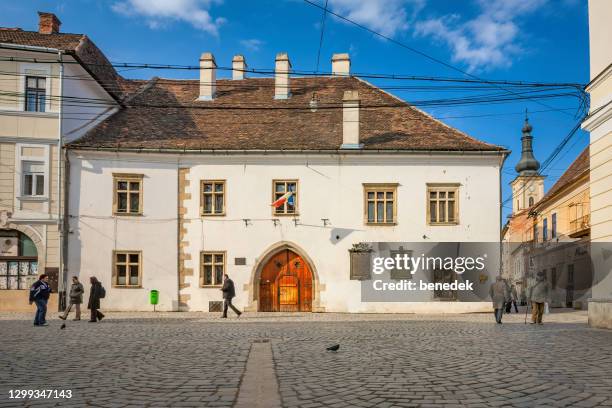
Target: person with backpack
<point>39,294</point>
<point>76,298</point>
<point>96,293</point>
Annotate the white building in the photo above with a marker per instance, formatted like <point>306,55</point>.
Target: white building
<point>176,189</point>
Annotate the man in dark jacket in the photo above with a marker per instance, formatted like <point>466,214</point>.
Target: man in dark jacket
<point>76,298</point>
<point>39,294</point>
<point>95,294</point>
<point>229,292</point>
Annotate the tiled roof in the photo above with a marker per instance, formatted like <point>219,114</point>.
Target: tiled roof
<point>577,169</point>
<point>77,45</point>
<point>164,114</point>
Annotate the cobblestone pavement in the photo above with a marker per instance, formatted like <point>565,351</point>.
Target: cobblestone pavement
<point>193,359</point>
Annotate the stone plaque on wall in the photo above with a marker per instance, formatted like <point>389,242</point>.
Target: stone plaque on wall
<point>360,265</point>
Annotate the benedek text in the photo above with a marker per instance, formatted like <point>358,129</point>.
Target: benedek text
<point>405,284</point>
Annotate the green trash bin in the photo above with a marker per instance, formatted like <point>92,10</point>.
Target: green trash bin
<point>154,298</point>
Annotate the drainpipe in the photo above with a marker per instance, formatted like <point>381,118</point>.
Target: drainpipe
<point>501,214</point>
<point>60,227</point>
<point>178,235</point>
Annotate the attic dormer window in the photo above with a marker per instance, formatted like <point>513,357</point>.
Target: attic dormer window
<point>35,94</point>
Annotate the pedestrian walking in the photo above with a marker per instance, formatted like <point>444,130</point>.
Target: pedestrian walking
<point>39,294</point>
<point>513,299</point>
<point>539,294</point>
<point>499,297</point>
<point>229,292</point>
<point>76,298</point>
<point>96,293</point>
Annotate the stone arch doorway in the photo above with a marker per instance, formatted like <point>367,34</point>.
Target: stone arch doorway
<point>285,280</point>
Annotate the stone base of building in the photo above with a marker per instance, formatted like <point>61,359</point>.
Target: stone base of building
<point>17,301</point>
<point>600,313</point>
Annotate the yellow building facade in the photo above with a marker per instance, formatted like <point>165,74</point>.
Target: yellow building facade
<point>599,124</point>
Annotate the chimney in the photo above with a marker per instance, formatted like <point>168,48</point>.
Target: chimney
<point>350,121</point>
<point>281,76</point>
<point>238,67</point>
<point>48,23</point>
<point>207,77</point>
<point>341,64</point>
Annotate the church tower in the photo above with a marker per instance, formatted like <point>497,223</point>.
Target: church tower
<point>528,186</point>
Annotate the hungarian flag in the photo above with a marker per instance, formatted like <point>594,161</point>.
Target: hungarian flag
<point>286,198</point>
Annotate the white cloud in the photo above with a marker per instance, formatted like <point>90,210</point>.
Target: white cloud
<point>387,17</point>
<point>489,40</point>
<point>159,13</point>
<point>252,44</point>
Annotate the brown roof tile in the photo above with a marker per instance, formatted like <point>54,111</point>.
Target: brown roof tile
<point>78,45</point>
<point>165,114</point>
<point>578,168</point>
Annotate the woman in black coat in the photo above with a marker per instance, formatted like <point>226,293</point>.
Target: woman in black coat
<point>95,294</point>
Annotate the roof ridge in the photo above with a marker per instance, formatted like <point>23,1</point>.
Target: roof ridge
<point>21,30</point>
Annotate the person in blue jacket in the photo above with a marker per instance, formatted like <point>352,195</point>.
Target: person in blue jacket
<point>39,294</point>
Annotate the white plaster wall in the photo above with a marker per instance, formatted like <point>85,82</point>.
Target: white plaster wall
<point>95,232</point>
<point>329,187</point>
<point>93,106</point>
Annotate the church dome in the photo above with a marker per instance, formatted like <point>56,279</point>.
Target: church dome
<point>527,165</point>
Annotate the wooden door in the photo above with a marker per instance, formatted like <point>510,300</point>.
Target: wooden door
<point>288,293</point>
<point>285,284</point>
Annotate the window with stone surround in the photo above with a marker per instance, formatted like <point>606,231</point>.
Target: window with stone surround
<point>212,268</point>
<point>442,205</point>
<point>212,197</point>
<point>380,207</point>
<point>279,189</point>
<point>127,194</point>
<point>35,94</point>
<point>127,269</point>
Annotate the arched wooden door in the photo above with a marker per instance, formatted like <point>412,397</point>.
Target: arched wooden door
<point>285,284</point>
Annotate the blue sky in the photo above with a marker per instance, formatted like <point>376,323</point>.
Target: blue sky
<point>531,40</point>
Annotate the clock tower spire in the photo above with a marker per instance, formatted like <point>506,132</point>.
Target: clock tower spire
<point>528,186</point>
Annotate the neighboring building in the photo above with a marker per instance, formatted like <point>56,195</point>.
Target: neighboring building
<point>562,222</point>
<point>551,233</point>
<point>599,124</point>
<point>518,234</point>
<point>175,190</point>
<point>33,127</point>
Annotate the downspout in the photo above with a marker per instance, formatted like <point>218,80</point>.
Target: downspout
<point>66,221</point>
<point>60,226</point>
<point>501,212</point>
<point>178,235</point>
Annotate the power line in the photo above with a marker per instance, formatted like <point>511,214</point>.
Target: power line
<point>480,99</point>
<point>403,45</point>
<point>264,71</point>
<point>322,33</point>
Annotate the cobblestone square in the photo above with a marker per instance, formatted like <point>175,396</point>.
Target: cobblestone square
<point>193,359</point>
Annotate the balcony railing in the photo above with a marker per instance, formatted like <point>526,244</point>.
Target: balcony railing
<point>580,227</point>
